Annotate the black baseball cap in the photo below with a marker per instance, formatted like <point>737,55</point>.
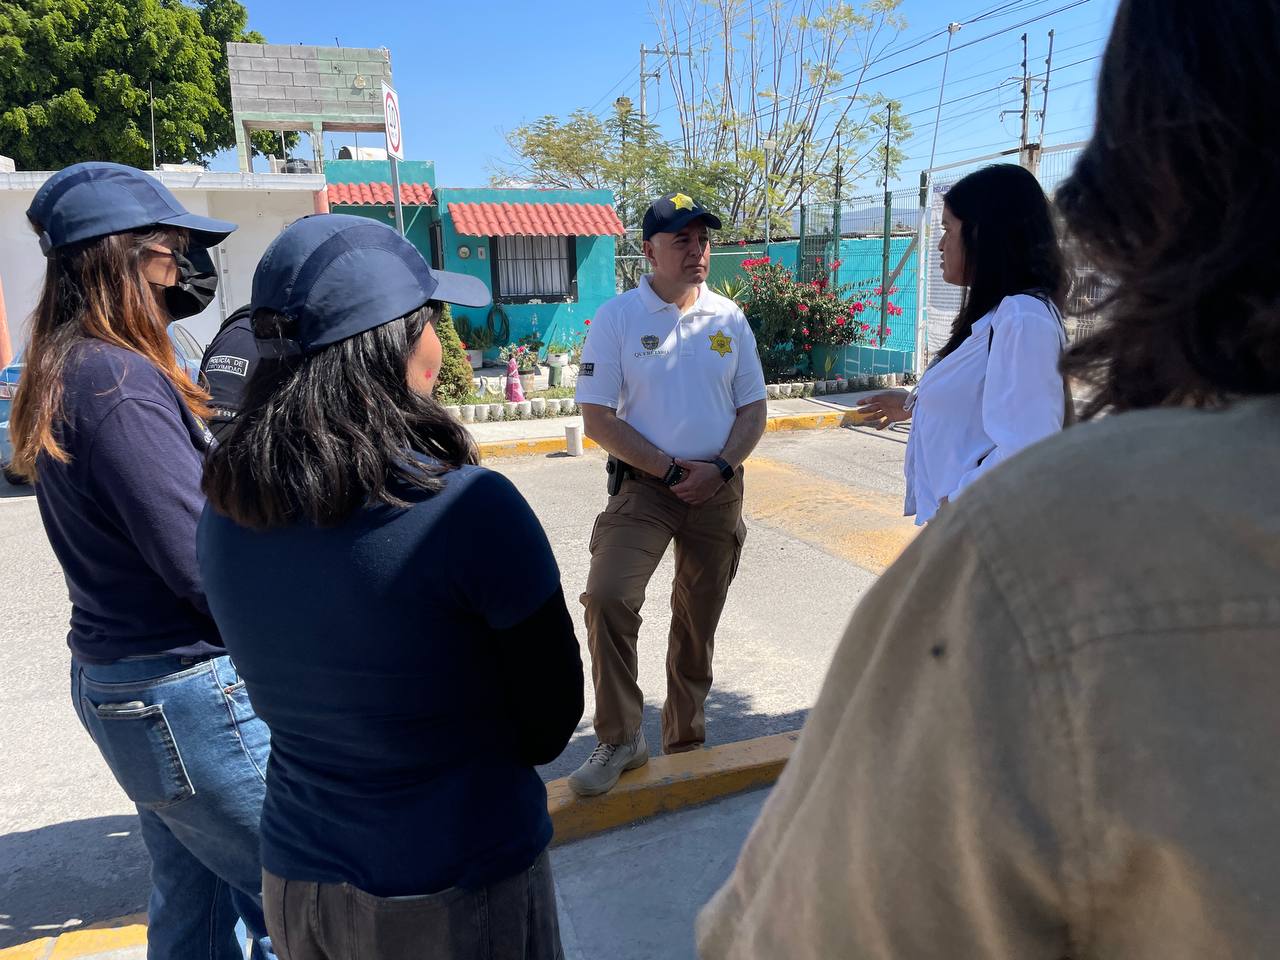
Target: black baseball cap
<point>673,212</point>
<point>338,275</point>
<point>96,199</point>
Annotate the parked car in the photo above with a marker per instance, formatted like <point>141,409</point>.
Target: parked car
<point>185,346</point>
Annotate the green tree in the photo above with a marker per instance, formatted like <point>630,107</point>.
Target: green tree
<point>753,77</point>
<point>75,77</point>
<point>453,382</point>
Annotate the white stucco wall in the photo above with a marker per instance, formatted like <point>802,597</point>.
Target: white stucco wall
<point>262,205</point>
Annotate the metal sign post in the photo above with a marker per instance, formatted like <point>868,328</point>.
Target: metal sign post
<point>395,147</point>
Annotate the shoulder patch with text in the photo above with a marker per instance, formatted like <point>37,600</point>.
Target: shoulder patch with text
<point>587,370</point>
<point>225,364</point>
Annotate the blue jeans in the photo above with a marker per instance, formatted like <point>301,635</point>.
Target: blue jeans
<point>187,748</point>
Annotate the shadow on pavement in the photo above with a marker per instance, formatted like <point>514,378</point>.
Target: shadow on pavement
<point>10,492</point>
<point>98,870</point>
<point>729,719</point>
<point>83,870</point>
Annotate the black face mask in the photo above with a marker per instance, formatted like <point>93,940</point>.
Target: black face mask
<point>196,287</point>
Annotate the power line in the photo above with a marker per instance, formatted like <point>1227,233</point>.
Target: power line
<point>915,63</point>
<point>625,77</point>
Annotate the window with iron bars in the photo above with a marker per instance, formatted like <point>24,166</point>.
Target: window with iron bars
<point>534,268</point>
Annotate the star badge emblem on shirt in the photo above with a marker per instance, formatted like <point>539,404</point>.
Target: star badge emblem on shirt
<point>682,201</point>
<point>721,344</point>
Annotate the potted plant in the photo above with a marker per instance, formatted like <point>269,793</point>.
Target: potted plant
<point>558,353</point>
<point>476,343</point>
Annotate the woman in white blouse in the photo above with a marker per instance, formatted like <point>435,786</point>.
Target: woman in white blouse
<point>994,388</point>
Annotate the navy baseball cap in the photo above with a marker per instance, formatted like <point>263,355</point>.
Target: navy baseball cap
<point>96,199</point>
<point>673,212</point>
<point>336,275</point>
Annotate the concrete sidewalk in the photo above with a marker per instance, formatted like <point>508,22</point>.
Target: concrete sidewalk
<point>546,436</point>
<point>629,894</point>
<point>633,893</point>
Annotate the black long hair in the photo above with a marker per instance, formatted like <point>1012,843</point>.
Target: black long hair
<point>322,435</point>
<point>1010,244</point>
<point>1173,200</point>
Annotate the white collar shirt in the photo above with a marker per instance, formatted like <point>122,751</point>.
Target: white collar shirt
<point>999,392</point>
<point>678,379</point>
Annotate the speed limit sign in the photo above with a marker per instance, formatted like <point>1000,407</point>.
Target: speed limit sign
<point>391,116</point>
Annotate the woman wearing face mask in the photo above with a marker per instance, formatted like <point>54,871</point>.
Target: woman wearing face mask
<point>110,429</point>
<point>410,686</point>
<point>994,387</point>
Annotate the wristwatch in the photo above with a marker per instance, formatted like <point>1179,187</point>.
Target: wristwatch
<point>726,472</point>
<point>674,474</point>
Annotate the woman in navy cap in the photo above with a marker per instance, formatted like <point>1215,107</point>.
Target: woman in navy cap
<point>410,686</point>
<point>110,428</point>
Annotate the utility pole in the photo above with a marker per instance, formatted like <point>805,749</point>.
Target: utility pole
<point>837,214</point>
<point>1044,104</point>
<point>656,74</point>
<point>888,227</point>
<point>152,91</point>
<point>1028,153</point>
<point>645,76</point>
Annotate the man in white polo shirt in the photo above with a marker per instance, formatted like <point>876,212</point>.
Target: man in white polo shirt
<point>671,386</point>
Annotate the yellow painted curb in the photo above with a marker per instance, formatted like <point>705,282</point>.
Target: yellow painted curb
<point>670,783</point>
<point>91,941</point>
<point>663,785</point>
<point>88,943</point>
<point>497,449</point>
<point>35,950</point>
<point>540,446</point>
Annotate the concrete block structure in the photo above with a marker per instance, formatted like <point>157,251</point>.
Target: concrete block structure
<point>289,88</point>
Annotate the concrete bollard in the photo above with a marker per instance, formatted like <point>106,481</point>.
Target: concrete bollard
<point>573,439</point>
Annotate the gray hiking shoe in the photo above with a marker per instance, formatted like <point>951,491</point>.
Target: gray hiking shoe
<point>606,764</point>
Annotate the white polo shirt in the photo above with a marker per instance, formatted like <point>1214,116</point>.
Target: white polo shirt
<point>678,379</point>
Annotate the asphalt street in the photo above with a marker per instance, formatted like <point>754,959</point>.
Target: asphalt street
<point>824,519</point>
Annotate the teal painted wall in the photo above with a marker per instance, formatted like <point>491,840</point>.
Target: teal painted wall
<point>596,280</point>
<point>379,171</point>
<point>862,261</point>
<point>417,221</point>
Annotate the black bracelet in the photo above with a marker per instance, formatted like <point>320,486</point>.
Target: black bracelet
<point>673,475</point>
<point>727,473</point>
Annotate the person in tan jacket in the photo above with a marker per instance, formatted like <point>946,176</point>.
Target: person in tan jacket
<point>1050,729</point>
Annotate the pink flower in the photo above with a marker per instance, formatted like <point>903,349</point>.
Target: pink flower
<point>805,331</point>
<point>586,323</point>
<point>808,346</point>
<point>835,264</point>
<point>887,331</point>
<point>866,327</point>
<point>840,321</point>
<point>742,243</point>
<point>802,308</point>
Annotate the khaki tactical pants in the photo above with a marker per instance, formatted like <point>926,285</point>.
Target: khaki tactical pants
<point>627,543</point>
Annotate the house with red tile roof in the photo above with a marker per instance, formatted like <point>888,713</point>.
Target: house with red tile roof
<point>547,256</point>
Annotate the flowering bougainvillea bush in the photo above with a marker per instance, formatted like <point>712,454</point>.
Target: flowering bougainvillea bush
<point>791,318</point>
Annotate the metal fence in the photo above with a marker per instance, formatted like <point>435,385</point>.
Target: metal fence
<point>940,301</point>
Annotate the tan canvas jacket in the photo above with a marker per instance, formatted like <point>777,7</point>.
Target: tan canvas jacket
<point>1052,729</point>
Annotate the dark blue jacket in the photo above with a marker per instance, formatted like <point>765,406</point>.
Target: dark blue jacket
<point>121,514</point>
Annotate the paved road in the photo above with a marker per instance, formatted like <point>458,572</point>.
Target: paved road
<point>823,513</point>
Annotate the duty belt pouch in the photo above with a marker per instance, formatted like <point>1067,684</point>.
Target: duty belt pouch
<point>617,471</point>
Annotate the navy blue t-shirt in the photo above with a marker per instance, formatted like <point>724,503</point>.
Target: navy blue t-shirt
<point>374,652</point>
<point>121,515</point>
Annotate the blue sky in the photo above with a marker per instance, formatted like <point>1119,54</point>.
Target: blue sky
<point>467,72</point>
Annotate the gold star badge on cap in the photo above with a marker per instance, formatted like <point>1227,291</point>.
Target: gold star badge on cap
<point>682,201</point>
<point>721,344</point>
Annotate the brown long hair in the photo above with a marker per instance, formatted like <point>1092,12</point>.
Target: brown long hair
<point>1173,199</point>
<point>92,291</point>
